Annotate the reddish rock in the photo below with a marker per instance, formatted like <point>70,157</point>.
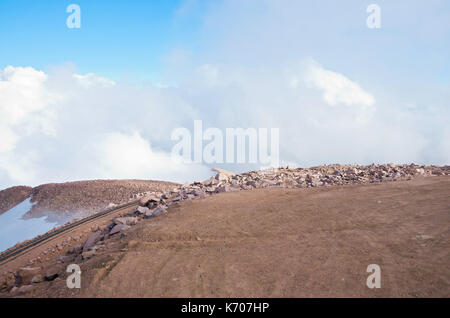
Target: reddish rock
<point>26,274</point>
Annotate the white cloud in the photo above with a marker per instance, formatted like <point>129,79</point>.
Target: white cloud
<point>337,89</point>
<point>91,79</point>
<point>123,131</point>
<point>21,89</point>
<point>8,139</point>
<point>131,156</point>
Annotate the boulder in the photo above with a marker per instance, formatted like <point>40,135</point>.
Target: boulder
<point>51,274</point>
<point>128,220</point>
<point>92,240</point>
<point>147,199</point>
<point>142,210</point>
<point>159,210</point>
<point>175,199</point>
<point>26,274</point>
<point>118,228</point>
<point>224,172</point>
<point>222,177</point>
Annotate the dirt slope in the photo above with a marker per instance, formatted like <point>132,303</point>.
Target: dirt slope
<point>313,242</point>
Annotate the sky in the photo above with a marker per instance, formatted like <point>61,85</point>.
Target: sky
<point>101,101</point>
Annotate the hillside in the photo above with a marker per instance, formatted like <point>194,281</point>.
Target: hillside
<point>64,201</point>
<point>277,242</point>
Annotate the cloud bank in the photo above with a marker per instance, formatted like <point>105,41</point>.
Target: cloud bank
<point>338,92</point>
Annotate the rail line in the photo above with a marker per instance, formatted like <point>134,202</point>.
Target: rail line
<point>15,252</point>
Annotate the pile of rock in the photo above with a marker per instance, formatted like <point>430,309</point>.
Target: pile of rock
<point>156,203</point>
<point>225,181</point>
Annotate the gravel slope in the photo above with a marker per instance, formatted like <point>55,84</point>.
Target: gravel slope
<point>314,242</point>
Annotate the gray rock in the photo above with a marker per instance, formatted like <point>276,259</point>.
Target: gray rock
<point>118,228</point>
<point>142,209</point>
<point>129,220</point>
<point>92,239</point>
<point>159,210</point>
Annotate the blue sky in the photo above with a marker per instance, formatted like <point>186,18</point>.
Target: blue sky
<point>102,101</point>
<point>116,37</point>
<point>134,37</point>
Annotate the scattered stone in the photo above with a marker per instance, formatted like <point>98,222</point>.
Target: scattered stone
<point>75,250</point>
<point>118,228</point>
<point>88,254</point>
<point>64,258</point>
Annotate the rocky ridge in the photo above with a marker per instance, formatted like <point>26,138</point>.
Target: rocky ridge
<point>156,203</point>
<point>12,196</point>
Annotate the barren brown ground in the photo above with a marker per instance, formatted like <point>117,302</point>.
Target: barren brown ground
<point>283,243</point>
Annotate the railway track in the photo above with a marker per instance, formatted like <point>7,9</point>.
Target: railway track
<point>15,252</point>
